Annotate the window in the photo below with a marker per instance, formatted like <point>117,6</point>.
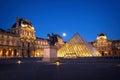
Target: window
<point>28,44</point>
<point>23,44</point>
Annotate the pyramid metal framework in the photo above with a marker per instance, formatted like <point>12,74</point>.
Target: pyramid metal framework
<point>77,47</point>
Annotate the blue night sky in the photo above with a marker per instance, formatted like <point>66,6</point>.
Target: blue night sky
<point>87,17</point>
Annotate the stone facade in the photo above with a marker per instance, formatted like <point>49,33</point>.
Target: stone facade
<point>116,47</point>
<point>9,45</point>
<point>107,47</point>
<point>20,41</point>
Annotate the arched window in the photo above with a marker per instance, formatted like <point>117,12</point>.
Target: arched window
<point>109,53</point>
<point>4,52</point>
<point>102,53</point>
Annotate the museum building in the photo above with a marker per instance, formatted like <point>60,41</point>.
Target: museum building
<point>21,41</point>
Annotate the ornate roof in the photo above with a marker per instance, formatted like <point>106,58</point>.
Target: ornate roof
<point>101,34</point>
<point>20,21</point>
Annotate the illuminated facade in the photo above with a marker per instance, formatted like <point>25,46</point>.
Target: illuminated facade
<point>77,47</point>
<point>9,44</point>
<point>20,41</point>
<point>116,47</point>
<point>107,47</point>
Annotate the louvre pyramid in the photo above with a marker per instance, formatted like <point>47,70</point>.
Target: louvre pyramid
<point>77,46</point>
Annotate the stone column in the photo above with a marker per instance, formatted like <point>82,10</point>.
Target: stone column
<point>19,52</point>
<point>50,53</point>
<point>0,53</point>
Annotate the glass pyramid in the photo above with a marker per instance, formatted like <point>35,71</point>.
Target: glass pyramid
<point>77,47</point>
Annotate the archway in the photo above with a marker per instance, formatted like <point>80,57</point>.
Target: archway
<point>15,52</point>
<point>38,53</point>
<point>4,52</point>
<point>28,51</point>
<point>102,53</point>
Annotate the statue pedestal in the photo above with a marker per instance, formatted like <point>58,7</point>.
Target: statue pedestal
<point>50,54</point>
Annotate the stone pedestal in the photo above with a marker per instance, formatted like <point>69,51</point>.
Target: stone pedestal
<point>50,53</point>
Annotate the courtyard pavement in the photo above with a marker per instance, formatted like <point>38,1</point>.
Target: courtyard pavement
<point>69,69</point>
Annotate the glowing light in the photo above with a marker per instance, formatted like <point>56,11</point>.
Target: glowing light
<point>101,37</point>
<point>24,25</point>
<point>19,62</point>
<point>57,63</point>
<point>64,34</point>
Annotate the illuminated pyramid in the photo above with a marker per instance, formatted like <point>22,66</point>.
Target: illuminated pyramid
<point>77,47</point>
